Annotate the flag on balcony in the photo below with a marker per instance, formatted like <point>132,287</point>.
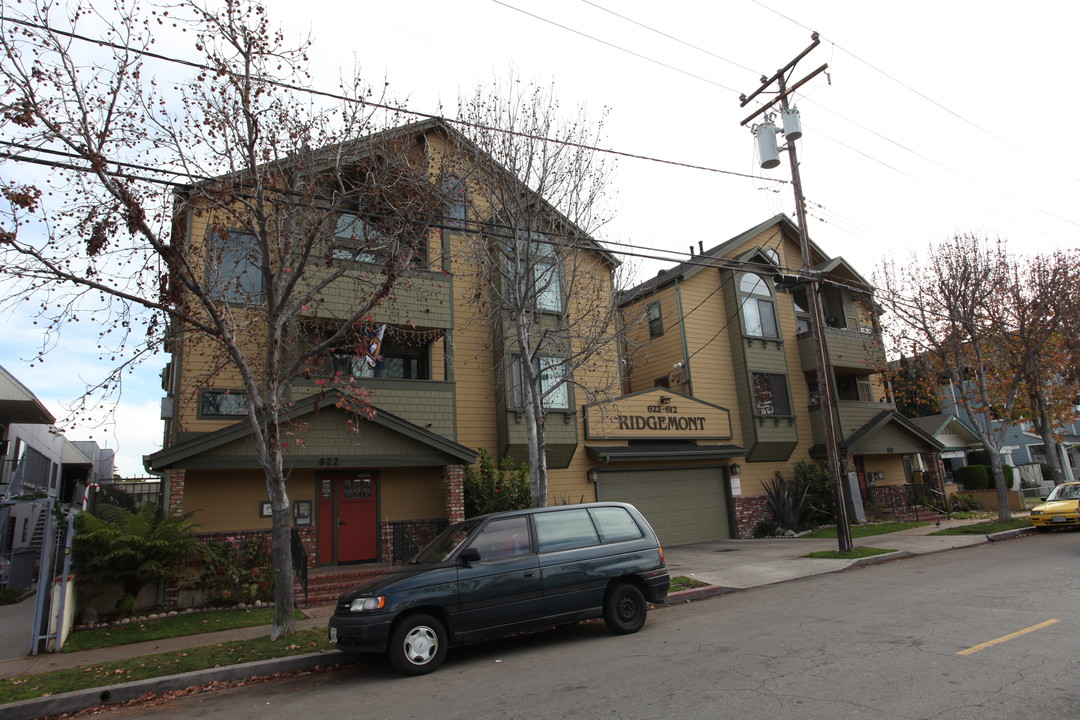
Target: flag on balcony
<point>373,346</point>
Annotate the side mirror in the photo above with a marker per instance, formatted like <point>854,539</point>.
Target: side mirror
<point>469,555</point>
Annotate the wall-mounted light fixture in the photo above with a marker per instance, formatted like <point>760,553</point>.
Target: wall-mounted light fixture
<point>665,399</point>
<point>593,475</point>
<point>734,469</point>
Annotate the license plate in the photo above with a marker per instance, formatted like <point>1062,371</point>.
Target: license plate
<point>333,635</point>
<point>1059,518</point>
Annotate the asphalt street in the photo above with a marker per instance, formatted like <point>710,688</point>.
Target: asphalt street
<point>986,632</point>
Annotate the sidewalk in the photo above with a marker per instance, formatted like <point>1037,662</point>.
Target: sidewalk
<point>727,565</point>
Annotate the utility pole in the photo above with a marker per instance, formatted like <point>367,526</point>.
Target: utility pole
<point>824,370</point>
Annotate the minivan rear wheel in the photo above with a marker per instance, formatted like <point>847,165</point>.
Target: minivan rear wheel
<point>624,609</point>
<point>417,645</point>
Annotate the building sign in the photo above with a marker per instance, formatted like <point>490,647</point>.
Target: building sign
<point>657,414</point>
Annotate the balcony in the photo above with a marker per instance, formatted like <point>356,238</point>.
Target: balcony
<point>852,414</point>
<point>426,403</point>
<point>423,298</point>
<point>847,350</point>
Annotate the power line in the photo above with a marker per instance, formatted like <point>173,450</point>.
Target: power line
<point>382,106</point>
<point>616,47</point>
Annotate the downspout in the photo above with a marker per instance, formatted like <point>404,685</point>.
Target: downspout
<point>688,384</point>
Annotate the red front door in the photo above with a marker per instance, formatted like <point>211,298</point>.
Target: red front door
<point>348,530</point>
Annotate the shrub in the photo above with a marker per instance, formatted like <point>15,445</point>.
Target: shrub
<point>962,502</point>
<point>820,503</point>
<point>491,489</point>
<point>116,548</point>
<point>237,570</point>
<point>973,477</point>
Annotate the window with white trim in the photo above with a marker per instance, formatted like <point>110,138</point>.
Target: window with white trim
<point>759,310</point>
<point>656,319</point>
<point>555,395</point>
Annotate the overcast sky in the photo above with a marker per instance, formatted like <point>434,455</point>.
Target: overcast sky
<point>933,118</point>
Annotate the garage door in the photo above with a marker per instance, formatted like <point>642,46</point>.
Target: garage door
<point>683,506</point>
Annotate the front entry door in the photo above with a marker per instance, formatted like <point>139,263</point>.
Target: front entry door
<point>348,531</point>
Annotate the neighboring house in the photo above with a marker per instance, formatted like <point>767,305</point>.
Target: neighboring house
<point>957,438</point>
<point>717,334</point>
<point>1021,444</point>
<point>38,466</point>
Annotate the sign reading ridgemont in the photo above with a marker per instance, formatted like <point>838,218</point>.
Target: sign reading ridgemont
<point>657,414</point>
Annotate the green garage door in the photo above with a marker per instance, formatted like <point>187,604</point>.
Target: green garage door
<point>683,506</point>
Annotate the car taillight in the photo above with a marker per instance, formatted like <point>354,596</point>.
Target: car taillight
<point>661,553</point>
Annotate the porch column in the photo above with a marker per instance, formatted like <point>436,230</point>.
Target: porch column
<point>454,481</point>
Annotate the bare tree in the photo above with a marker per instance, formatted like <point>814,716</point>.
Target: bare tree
<point>545,287</point>
<point>278,200</point>
<point>939,307</point>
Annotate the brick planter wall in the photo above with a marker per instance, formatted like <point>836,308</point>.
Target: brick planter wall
<point>749,511</point>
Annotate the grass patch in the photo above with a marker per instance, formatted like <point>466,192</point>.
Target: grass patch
<point>167,663</point>
<point>168,627</point>
<point>854,554</point>
<point>683,582</point>
<point>858,531</point>
<point>985,528</point>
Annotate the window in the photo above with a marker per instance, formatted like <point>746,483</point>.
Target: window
<point>355,240</point>
<point>866,393</point>
<point>759,311</point>
<point>538,265</point>
<point>564,529</point>
<point>454,191</point>
<point>771,394</point>
<point>615,524</point>
<point>504,539</point>
<point>223,402</point>
<point>232,263</point>
<point>396,360</point>
<point>552,382</point>
<point>802,310</point>
<point>656,320</point>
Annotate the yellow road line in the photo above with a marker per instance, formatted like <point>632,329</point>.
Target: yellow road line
<point>1005,638</point>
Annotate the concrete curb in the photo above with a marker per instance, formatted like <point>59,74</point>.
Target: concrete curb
<point>115,694</point>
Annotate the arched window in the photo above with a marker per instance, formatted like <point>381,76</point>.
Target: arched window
<point>759,310</point>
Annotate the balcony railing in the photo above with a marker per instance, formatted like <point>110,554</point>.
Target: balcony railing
<point>847,349</point>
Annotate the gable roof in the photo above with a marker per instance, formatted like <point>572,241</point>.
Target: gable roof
<point>723,255</point>
<point>437,449</point>
<point>948,424</point>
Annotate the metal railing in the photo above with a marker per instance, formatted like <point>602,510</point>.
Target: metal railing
<point>918,501</point>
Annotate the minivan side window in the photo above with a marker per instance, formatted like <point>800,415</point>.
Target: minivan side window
<point>508,537</point>
<point>615,524</point>
<point>564,529</point>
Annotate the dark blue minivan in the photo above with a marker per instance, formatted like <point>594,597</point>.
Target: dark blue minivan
<point>504,573</point>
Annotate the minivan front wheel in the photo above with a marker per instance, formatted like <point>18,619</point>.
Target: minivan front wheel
<point>417,645</point>
<point>624,609</point>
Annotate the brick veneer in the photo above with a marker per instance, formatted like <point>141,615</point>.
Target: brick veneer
<point>454,478</point>
<point>175,501</point>
<point>749,511</point>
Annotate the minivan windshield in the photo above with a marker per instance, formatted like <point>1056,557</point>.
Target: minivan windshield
<point>445,543</point>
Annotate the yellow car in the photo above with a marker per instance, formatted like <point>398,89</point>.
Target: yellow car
<point>1061,509</point>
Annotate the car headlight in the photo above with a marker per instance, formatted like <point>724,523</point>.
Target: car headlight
<point>1036,512</point>
<point>367,604</point>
